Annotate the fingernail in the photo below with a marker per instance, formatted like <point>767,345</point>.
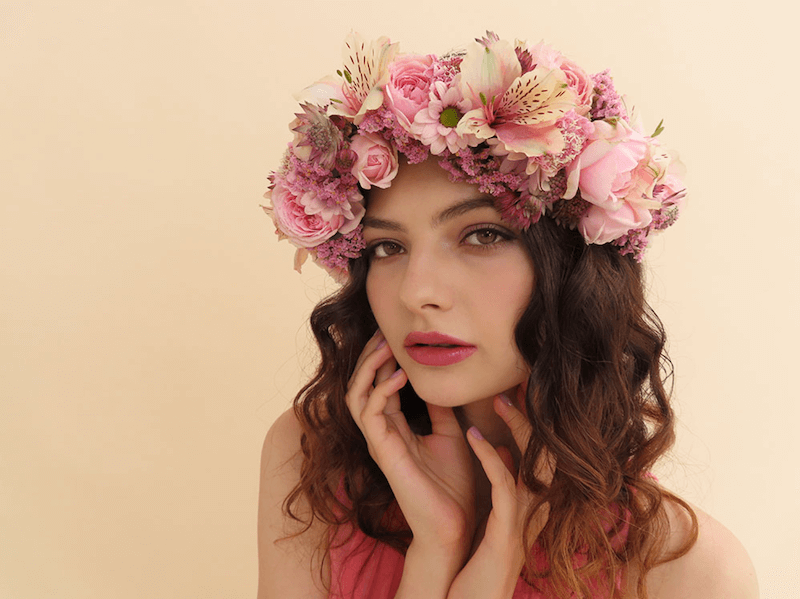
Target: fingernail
<point>396,373</point>
<point>475,432</point>
<point>381,343</point>
<point>506,399</point>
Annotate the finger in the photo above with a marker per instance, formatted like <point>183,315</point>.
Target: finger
<point>385,370</point>
<point>374,414</point>
<point>522,430</point>
<point>379,397</point>
<point>508,459</point>
<point>504,484</point>
<point>361,383</point>
<point>520,426</point>
<point>363,378</point>
<point>375,342</point>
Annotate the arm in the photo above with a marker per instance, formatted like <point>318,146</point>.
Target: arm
<point>427,574</point>
<point>286,569</point>
<point>716,567</point>
<point>489,574</point>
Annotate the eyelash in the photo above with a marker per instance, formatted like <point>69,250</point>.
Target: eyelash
<point>501,236</point>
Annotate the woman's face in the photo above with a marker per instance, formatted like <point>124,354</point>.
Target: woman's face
<point>442,261</point>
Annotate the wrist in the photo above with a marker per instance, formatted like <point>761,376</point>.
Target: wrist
<point>428,572</point>
<point>489,574</point>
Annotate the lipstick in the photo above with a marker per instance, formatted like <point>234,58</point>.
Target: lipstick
<point>437,349</point>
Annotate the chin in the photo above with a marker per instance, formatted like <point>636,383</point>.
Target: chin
<point>446,391</point>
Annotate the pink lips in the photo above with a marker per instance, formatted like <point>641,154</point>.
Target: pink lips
<point>436,349</point>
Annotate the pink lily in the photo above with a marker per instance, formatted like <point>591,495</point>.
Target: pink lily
<point>359,86</point>
<point>521,110</point>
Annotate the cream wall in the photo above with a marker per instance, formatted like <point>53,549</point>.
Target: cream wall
<point>151,327</point>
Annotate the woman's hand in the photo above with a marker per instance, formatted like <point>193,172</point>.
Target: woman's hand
<point>432,476</point>
<point>494,569</point>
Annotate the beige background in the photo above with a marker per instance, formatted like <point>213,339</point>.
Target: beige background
<point>151,327</point>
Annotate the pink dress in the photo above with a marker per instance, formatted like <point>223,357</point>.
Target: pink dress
<point>383,567</point>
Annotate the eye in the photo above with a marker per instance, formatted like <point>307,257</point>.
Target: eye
<point>486,236</point>
<point>384,249</point>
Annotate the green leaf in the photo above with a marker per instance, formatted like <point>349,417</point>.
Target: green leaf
<point>659,129</point>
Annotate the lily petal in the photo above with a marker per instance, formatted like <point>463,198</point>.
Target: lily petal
<point>530,140</point>
<point>476,122</point>
<point>536,97</point>
<point>366,72</point>
<point>322,93</point>
<point>488,70</point>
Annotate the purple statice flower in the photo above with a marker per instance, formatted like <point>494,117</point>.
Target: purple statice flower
<point>518,210</point>
<point>670,207</point>
<point>447,67</point>
<point>481,168</point>
<point>551,190</point>
<point>384,122</point>
<point>607,102</point>
<point>575,130</point>
<point>568,213</point>
<point>336,252</point>
<point>634,242</point>
<point>333,189</point>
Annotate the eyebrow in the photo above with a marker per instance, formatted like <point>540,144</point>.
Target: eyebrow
<point>448,213</point>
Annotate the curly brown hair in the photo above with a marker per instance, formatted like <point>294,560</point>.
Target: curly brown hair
<point>596,399</point>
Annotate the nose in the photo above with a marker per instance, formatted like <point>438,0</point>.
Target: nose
<point>426,283</point>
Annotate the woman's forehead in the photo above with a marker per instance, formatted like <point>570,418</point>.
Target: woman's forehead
<point>423,186</point>
<point>434,213</point>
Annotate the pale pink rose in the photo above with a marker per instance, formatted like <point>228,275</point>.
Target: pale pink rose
<point>347,212</point>
<point>409,85</point>
<point>376,163</point>
<point>613,172</point>
<point>600,226</point>
<point>607,168</point>
<point>290,217</point>
<point>581,83</point>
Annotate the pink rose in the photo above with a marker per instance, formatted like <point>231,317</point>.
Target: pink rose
<point>409,84</point>
<point>601,226</point>
<point>289,215</point>
<point>581,83</point>
<point>376,163</point>
<point>611,173</point>
<point>604,171</point>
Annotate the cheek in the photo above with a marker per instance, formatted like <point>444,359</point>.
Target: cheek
<point>513,284</point>
<point>379,295</point>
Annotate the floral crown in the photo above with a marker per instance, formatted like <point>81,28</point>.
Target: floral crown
<point>522,122</point>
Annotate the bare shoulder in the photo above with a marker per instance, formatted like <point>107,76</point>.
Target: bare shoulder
<point>289,568</point>
<point>716,567</point>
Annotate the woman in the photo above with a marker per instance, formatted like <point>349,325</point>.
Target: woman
<point>491,392</point>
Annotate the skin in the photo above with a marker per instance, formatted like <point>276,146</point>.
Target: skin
<point>464,275</point>
<point>443,260</point>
